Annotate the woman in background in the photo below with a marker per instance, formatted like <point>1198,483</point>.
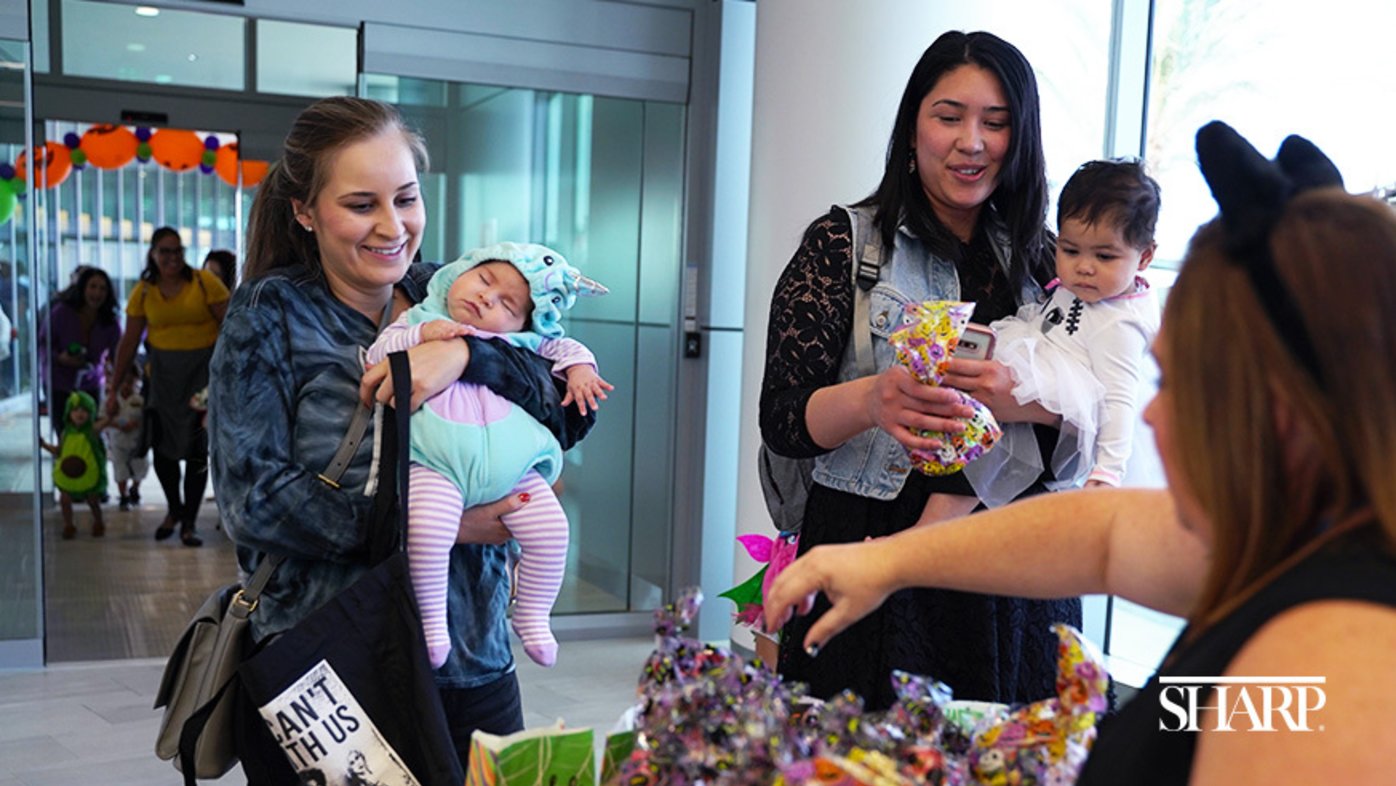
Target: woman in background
<point>224,264</point>
<point>178,309</point>
<point>78,339</point>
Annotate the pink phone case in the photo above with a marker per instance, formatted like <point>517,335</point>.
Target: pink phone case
<point>976,343</point>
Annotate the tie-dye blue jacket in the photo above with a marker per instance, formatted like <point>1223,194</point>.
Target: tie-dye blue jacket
<point>283,387</point>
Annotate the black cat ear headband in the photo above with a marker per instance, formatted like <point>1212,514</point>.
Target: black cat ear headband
<point>1252,192</point>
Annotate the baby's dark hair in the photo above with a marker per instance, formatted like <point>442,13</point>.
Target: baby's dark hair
<point>1117,191</point>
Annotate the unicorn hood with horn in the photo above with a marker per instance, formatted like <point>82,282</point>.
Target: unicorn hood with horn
<point>553,284</point>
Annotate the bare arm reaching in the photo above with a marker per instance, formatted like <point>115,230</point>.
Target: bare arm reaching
<point>1125,542</point>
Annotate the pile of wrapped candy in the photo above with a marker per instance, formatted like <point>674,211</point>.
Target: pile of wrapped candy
<point>707,716</point>
<point>925,345</point>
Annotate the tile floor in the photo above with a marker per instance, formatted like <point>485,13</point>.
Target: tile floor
<point>116,605</point>
<point>92,723</point>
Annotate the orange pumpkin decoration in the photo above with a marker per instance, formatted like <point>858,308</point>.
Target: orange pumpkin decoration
<point>225,163</point>
<point>176,149</point>
<point>253,172</point>
<point>108,146</point>
<point>51,168</point>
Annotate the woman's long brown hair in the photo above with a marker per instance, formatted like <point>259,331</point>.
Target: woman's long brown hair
<point>1275,492</point>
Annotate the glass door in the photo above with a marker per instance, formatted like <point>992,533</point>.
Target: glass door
<point>21,617</point>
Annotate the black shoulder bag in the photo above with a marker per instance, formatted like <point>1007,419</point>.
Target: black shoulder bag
<point>351,685</point>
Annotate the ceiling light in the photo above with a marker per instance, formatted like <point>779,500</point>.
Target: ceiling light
<point>192,57</point>
<point>135,47</point>
<point>163,79</point>
<point>145,10</point>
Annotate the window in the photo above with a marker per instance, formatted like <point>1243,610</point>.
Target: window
<point>306,60</point>
<point>163,46</point>
<point>1258,68</point>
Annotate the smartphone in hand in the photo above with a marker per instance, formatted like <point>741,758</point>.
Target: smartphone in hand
<point>976,343</point>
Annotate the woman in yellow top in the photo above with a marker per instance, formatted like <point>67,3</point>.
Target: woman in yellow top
<point>179,310</point>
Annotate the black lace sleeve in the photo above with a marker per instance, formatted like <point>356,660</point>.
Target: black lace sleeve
<point>811,318</point>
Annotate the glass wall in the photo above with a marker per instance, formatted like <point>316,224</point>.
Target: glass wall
<point>600,180</point>
<point>20,579</point>
<point>1239,62</point>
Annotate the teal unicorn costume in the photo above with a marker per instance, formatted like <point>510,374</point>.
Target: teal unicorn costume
<point>470,446</point>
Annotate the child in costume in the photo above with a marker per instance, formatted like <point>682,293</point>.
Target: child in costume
<point>471,446</point>
<point>1080,354</point>
<point>124,438</point>
<point>80,462</point>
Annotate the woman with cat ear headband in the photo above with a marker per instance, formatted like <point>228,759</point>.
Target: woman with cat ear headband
<point>1276,537</point>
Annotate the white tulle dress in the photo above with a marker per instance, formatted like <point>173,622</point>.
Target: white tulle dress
<point>1082,361</point>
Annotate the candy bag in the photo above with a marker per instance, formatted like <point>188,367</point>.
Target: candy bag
<point>1047,742</point>
<point>925,346</point>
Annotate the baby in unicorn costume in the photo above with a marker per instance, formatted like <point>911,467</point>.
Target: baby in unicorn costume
<point>471,446</point>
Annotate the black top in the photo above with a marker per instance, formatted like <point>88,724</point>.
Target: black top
<point>986,647</point>
<point>1132,748</point>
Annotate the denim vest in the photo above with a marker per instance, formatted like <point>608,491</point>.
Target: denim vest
<point>873,464</point>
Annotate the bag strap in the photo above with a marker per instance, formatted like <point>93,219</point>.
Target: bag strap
<point>243,603</point>
<point>194,728</point>
<point>867,268</point>
<point>358,426</point>
<point>348,446</point>
<point>388,516</point>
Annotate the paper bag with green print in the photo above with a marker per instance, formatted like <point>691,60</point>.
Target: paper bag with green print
<point>550,756</point>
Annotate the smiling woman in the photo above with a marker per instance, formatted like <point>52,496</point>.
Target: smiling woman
<point>178,310</point>
<point>367,220</point>
<point>959,214</point>
<point>331,239</point>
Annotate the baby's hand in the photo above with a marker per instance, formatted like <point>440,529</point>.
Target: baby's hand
<point>585,387</point>
<point>442,329</point>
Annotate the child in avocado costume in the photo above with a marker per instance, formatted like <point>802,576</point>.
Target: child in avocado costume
<point>80,462</point>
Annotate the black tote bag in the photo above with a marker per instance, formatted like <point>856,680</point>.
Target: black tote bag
<point>350,688</point>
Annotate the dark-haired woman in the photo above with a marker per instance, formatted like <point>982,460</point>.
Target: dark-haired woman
<point>79,337</point>
<point>223,263</point>
<point>178,309</point>
<point>959,214</point>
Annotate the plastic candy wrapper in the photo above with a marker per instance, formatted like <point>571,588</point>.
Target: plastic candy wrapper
<point>707,716</point>
<point>1047,742</point>
<point>925,346</point>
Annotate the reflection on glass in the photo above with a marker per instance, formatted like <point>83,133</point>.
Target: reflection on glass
<point>600,180</point>
<point>306,60</point>
<point>112,41</point>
